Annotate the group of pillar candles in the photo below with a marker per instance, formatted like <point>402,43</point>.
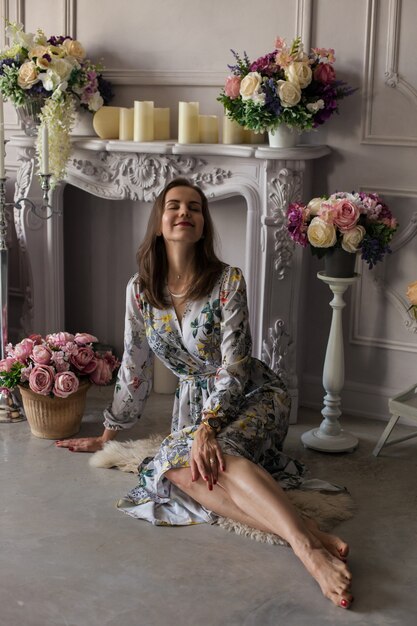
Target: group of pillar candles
<point>144,122</point>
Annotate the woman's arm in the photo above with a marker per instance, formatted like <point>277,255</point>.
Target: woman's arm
<point>134,379</point>
<point>236,346</point>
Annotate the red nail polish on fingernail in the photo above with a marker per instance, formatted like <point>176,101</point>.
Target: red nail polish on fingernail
<point>210,487</point>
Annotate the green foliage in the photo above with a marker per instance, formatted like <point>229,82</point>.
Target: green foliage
<point>12,378</point>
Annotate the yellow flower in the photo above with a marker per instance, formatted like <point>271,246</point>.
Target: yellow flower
<point>168,328</point>
<point>166,318</point>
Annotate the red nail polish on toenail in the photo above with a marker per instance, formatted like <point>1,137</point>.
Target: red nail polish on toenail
<point>344,603</point>
<point>71,449</point>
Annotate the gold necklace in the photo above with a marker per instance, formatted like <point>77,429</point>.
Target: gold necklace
<point>176,295</point>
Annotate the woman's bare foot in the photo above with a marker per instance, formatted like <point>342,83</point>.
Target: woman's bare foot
<point>330,572</point>
<point>336,546</point>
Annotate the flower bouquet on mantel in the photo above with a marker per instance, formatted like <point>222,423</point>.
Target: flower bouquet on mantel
<point>54,374</point>
<point>286,88</point>
<point>48,80</point>
<point>343,225</point>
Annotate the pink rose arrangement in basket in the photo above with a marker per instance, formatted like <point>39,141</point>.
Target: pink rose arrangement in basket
<point>56,365</point>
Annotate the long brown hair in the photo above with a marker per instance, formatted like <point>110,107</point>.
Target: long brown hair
<point>152,258</point>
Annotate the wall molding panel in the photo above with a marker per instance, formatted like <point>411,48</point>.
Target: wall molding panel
<point>381,285</point>
<point>392,76</point>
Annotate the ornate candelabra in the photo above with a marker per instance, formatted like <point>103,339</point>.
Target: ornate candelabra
<point>10,409</point>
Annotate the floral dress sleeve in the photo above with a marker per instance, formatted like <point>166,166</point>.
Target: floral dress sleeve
<point>134,379</point>
<point>236,345</point>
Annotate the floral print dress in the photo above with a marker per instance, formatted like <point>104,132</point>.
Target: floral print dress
<point>210,352</point>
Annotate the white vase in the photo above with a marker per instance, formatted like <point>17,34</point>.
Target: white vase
<point>283,137</point>
<point>83,125</point>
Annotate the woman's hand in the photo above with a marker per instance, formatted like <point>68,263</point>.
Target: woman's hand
<point>87,444</point>
<point>206,456</point>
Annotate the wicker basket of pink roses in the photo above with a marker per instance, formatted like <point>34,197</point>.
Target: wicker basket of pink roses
<point>54,374</point>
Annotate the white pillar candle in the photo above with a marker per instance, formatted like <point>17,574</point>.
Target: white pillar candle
<point>232,131</point>
<point>161,129</point>
<point>126,124</point>
<point>164,381</point>
<point>45,150</point>
<point>2,169</point>
<point>188,122</point>
<point>143,121</point>
<point>208,128</point>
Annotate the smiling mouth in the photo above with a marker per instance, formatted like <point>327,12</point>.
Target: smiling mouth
<point>183,224</point>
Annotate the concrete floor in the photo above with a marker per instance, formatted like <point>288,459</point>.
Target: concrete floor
<point>68,557</point>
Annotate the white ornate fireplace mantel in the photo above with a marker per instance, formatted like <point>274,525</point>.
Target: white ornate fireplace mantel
<point>268,179</point>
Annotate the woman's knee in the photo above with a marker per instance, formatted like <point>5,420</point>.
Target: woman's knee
<point>180,477</point>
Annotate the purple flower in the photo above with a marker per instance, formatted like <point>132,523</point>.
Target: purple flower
<point>297,227</point>
<point>265,65</point>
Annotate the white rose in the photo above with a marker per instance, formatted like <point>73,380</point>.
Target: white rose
<point>299,73</point>
<point>289,93</point>
<point>314,206</point>
<point>73,48</point>
<point>250,85</point>
<point>352,238</point>
<point>313,107</point>
<point>95,102</point>
<point>28,75</point>
<point>321,234</point>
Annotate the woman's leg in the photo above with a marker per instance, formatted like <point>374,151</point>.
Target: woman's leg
<point>254,498</point>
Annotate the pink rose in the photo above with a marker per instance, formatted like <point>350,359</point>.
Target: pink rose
<point>232,87</point>
<point>37,339</point>
<point>59,339</point>
<point>324,73</point>
<point>102,375</point>
<point>111,360</point>
<point>83,338</point>
<point>65,384</point>
<point>42,355</point>
<point>7,364</point>
<point>23,350</point>
<point>346,215</point>
<point>84,360</point>
<point>41,379</point>
<point>70,348</point>
<point>25,373</point>
<point>59,361</point>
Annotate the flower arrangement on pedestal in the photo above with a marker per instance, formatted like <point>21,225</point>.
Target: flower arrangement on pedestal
<point>412,297</point>
<point>286,86</point>
<point>354,222</point>
<point>56,365</point>
<point>53,77</point>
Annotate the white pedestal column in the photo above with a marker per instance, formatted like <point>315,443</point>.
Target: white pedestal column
<point>330,437</point>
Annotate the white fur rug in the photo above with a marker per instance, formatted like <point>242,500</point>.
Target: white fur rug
<point>327,509</point>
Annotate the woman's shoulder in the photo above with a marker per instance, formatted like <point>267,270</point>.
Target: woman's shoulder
<point>232,276</point>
